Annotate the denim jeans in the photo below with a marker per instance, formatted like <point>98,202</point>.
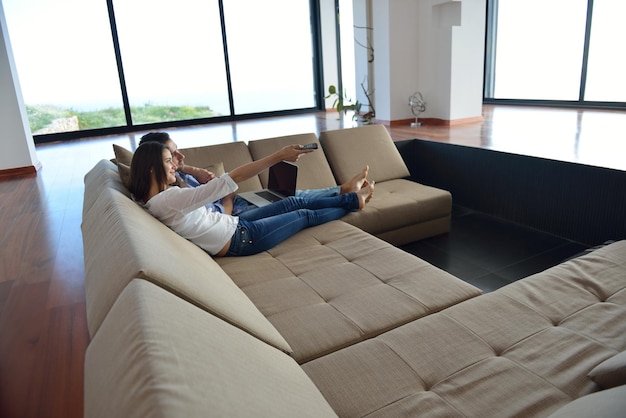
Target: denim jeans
<point>263,228</point>
<point>318,193</point>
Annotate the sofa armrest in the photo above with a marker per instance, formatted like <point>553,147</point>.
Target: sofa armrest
<point>157,355</point>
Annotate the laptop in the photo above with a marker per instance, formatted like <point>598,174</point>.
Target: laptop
<point>281,184</point>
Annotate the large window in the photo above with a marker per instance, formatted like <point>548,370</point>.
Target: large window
<point>66,65</point>
<point>561,51</point>
<point>607,62</point>
<point>270,54</point>
<point>173,59</point>
<point>97,64</point>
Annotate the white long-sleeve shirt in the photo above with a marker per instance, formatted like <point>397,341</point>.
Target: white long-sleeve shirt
<point>183,210</point>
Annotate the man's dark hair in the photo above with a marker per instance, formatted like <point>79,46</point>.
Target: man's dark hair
<point>160,137</point>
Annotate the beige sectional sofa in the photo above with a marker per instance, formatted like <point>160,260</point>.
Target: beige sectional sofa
<point>336,321</point>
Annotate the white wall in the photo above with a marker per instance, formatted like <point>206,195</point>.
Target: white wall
<point>396,33</point>
<point>18,147</point>
<point>432,46</point>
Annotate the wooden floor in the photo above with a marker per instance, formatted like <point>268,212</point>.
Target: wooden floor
<point>43,332</point>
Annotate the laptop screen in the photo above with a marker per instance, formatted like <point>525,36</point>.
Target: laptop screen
<point>282,178</point>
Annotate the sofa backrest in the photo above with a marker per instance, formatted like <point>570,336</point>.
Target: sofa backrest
<point>231,155</point>
<point>313,169</point>
<point>349,150</point>
<point>123,241</point>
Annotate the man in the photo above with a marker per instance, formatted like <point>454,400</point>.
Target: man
<point>191,176</point>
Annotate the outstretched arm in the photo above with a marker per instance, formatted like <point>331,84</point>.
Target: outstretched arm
<point>246,171</point>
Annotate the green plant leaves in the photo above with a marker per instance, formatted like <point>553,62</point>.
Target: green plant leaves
<point>343,104</point>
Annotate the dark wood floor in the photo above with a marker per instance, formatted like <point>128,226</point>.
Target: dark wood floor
<point>43,332</point>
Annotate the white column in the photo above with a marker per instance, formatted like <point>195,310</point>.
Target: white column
<point>432,46</point>
<point>466,23</point>
<point>18,147</point>
<point>329,50</point>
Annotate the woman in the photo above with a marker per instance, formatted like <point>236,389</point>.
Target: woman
<point>182,209</point>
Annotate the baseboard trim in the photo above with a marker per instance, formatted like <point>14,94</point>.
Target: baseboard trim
<point>437,122</point>
<point>21,171</point>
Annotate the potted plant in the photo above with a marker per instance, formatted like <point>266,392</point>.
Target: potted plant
<point>342,103</point>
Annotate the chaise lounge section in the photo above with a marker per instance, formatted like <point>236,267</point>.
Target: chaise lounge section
<point>404,211</point>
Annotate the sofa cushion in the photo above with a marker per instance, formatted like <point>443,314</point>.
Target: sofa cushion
<point>123,241</point>
<point>157,355</point>
<point>313,169</point>
<point>123,158</point>
<point>430,367</point>
<point>122,155</point>
<point>401,203</point>
<point>523,350</point>
<point>216,168</point>
<point>334,285</point>
<point>231,155</point>
<point>124,173</point>
<point>611,372</point>
<point>608,403</point>
<point>349,150</point>
<point>586,295</point>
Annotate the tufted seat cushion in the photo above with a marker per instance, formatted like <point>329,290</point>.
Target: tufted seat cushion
<point>404,211</point>
<point>526,348</point>
<point>334,285</point>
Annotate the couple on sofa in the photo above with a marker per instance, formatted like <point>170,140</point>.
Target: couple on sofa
<point>212,217</point>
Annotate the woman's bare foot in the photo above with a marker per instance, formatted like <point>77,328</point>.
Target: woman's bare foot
<point>356,183</point>
<point>365,194</point>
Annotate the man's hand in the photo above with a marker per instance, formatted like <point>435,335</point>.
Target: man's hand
<point>202,175</point>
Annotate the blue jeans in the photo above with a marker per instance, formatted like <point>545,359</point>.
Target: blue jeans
<point>263,228</point>
<point>318,193</point>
